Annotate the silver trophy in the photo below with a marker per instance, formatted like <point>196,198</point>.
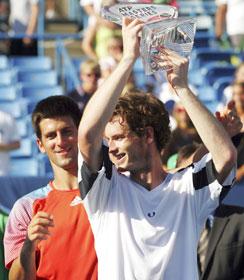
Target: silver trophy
<point>162,30</point>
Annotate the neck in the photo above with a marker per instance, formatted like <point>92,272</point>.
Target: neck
<point>152,176</point>
<point>65,180</point>
<point>89,88</point>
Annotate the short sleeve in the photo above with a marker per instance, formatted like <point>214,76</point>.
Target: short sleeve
<point>16,229</point>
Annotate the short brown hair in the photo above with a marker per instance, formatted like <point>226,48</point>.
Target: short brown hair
<point>53,107</point>
<point>91,65</point>
<point>141,110</point>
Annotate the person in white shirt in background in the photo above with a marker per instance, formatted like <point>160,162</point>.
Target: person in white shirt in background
<point>229,18</point>
<point>23,20</point>
<point>9,140</point>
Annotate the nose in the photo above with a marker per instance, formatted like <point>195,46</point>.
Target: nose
<point>60,139</point>
<point>112,147</point>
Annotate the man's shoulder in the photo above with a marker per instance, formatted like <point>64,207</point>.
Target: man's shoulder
<point>29,198</point>
<point>230,211</point>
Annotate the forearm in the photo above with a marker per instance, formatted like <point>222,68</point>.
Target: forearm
<point>9,147</point>
<point>220,20</point>
<point>101,105</point>
<point>89,10</point>
<point>211,131</point>
<point>24,267</point>
<point>33,20</point>
<point>87,42</point>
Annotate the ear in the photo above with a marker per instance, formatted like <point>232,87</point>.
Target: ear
<point>40,146</point>
<point>149,134</point>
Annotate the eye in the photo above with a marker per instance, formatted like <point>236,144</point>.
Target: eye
<point>51,136</point>
<point>119,137</point>
<point>67,132</point>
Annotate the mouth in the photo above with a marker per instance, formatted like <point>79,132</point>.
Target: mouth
<point>63,151</point>
<point>119,157</point>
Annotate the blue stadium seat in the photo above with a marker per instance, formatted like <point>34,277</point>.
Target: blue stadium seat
<point>28,148</point>
<point>23,125</point>
<point>77,61</point>
<point>36,93</point>
<point>211,105</point>
<point>194,8</point>
<point>10,93</point>
<point>206,94</point>
<point>4,63</point>
<point>213,72</point>
<point>201,56</point>
<point>8,77</point>
<point>17,108</point>
<point>32,62</point>
<point>24,167</point>
<point>220,84</point>
<point>45,166</point>
<point>203,40</point>
<point>44,78</point>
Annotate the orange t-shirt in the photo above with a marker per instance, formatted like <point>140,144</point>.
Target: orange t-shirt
<point>69,252</point>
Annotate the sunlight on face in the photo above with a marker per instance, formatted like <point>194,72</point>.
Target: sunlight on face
<point>59,141</point>
<point>126,150</point>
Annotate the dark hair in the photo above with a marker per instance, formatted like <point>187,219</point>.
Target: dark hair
<point>53,107</point>
<point>236,83</point>
<point>185,152</point>
<point>141,110</point>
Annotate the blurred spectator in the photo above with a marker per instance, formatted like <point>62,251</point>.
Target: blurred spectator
<point>115,52</point>
<point>166,2</point>
<point>4,12</point>
<point>51,9</point>
<point>23,20</point>
<point>90,73</point>
<point>230,18</point>
<point>222,258</point>
<point>238,97</point>
<point>239,78</point>
<point>99,30</point>
<point>9,140</point>
<point>185,133</point>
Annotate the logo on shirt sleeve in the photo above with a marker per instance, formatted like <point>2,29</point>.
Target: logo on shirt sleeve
<point>77,200</point>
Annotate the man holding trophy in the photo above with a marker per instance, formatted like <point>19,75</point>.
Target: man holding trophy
<point>147,222</point>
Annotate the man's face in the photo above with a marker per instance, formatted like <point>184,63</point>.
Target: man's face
<point>238,95</point>
<point>90,76</point>
<point>59,141</point>
<point>127,151</point>
<point>240,74</point>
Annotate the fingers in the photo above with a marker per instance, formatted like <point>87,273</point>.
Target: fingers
<point>130,22</point>
<point>131,29</point>
<point>231,105</point>
<point>39,227</point>
<point>135,24</point>
<point>230,119</point>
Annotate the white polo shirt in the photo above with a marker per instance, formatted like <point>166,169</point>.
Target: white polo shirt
<point>145,235</point>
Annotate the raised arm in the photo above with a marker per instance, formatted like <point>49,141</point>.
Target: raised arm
<point>102,104</point>
<point>208,127</point>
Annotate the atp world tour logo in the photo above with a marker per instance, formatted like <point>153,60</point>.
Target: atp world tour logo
<point>162,30</point>
<point>144,12</point>
<point>129,11</point>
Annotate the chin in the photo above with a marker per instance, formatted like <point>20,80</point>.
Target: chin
<point>121,169</point>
